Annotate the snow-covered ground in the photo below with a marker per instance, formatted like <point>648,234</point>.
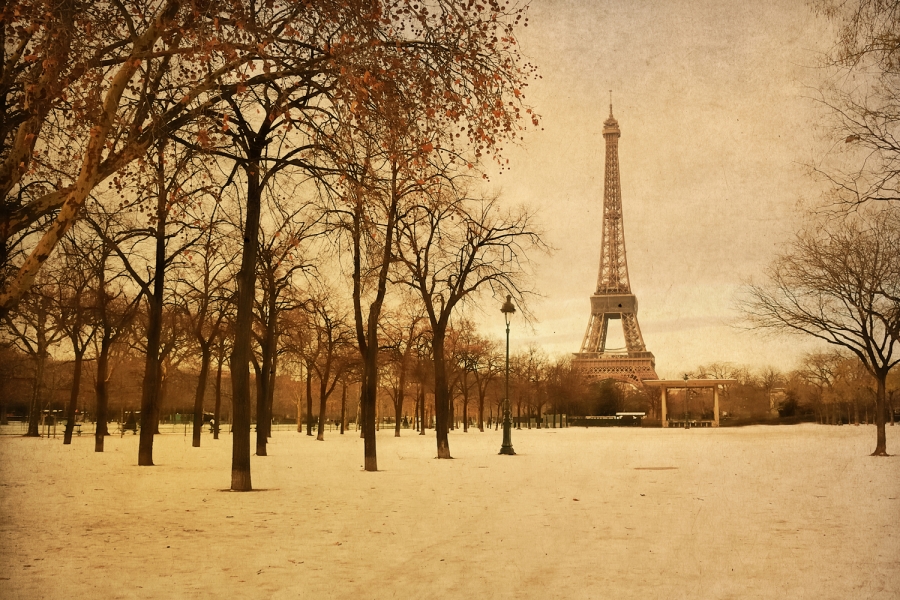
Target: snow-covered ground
<point>757,512</point>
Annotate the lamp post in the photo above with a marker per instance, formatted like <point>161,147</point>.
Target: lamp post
<point>686,395</point>
<point>506,448</point>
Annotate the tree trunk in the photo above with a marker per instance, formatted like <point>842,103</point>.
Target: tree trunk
<point>270,396</point>
<point>73,397</point>
<point>368,402</point>
<point>161,395</point>
<point>205,357</point>
<point>299,404</point>
<point>451,411</point>
<point>100,429</point>
<point>35,408</point>
<point>441,397</point>
<point>218,409</point>
<point>367,331</point>
<point>398,410</point>
<point>880,434</point>
<point>421,402</point>
<point>240,354</point>
<point>359,412</point>
<point>465,415</point>
<point>308,401</point>
<point>480,411</point>
<point>265,379</point>
<point>343,407</point>
<point>260,410</point>
<point>152,371</point>
<point>323,401</point>
<point>414,423</point>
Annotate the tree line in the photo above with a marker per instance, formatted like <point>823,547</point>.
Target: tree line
<point>318,383</point>
<point>233,170</point>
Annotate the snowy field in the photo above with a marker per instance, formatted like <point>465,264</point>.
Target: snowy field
<point>757,512</point>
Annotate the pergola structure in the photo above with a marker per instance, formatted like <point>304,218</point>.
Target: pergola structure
<point>665,385</point>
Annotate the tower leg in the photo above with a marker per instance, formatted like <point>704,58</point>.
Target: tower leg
<point>634,341</point>
<point>588,335</point>
<point>604,329</point>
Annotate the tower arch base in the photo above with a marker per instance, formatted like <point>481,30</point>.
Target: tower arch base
<point>627,369</point>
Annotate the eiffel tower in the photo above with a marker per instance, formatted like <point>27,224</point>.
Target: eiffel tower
<point>613,300</point>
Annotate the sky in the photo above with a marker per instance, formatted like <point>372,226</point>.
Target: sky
<point>713,101</point>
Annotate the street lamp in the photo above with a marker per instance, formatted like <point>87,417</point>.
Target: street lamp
<point>686,395</point>
<point>506,448</point>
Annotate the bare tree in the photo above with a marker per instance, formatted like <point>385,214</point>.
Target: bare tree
<point>36,327</point>
<point>333,339</point>
<point>171,185</point>
<point>566,384</point>
<point>221,350</point>
<point>462,364</point>
<point>255,151</point>
<point>818,370</point>
<point>115,312</point>
<point>403,329</point>
<point>77,317</point>
<point>535,377</point>
<point>853,384</point>
<point>486,365</point>
<point>827,285</point>
<point>421,373</point>
<point>280,258</point>
<point>365,207</point>
<point>205,293</point>
<point>861,96</point>
<point>453,247</point>
<point>299,338</point>
<point>770,377</point>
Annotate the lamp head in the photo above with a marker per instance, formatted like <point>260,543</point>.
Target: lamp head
<point>508,308</point>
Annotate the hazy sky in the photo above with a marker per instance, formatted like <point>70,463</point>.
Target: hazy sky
<point>712,101</point>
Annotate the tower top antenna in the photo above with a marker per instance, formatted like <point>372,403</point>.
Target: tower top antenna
<point>610,103</point>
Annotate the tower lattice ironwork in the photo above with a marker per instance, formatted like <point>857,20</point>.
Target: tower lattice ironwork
<point>613,300</point>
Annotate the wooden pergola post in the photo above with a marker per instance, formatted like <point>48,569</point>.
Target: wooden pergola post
<point>663,392</point>
<point>715,405</point>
